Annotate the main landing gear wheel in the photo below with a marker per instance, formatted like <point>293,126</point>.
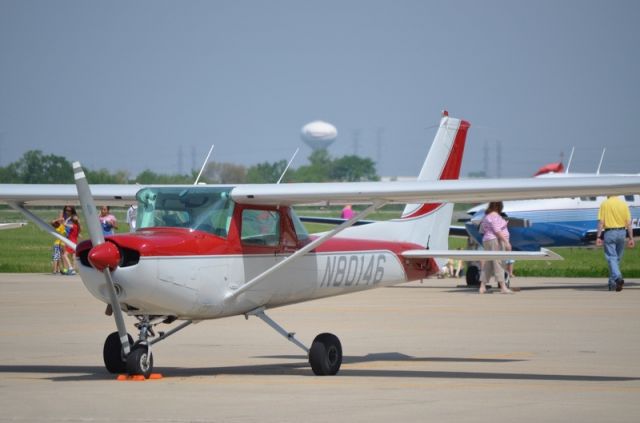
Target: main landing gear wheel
<point>140,361</point>
<point>473,275</point>
<point>325,355</point>
<point>112,353</point>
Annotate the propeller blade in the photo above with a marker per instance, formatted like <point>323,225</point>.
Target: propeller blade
<point>88,205</point>
<point>104,258</point>
<point>117,313</point>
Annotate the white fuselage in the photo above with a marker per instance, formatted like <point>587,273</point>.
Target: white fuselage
<point>196,287</point>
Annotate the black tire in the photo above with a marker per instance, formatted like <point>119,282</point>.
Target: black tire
<point>112,353</point>
<point>137,363</point>
<point>325,355</point>
<point>473,275</point>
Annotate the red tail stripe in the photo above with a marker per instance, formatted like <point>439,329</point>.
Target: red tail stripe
<point>451,169</point>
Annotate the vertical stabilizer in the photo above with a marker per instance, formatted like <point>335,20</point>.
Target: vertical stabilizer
<point>426,224</point>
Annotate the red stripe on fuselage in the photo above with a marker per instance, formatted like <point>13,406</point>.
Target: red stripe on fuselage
<point>451,168</point>
<point>176,242</point>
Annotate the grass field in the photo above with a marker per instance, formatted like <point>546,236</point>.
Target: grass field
<point>28,249</point>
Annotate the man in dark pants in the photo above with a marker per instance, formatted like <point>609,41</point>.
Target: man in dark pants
<point>614,219</point>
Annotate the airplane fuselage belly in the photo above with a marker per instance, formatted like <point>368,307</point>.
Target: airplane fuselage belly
<point>195,287</point>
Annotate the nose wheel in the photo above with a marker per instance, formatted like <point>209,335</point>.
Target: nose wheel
<point>140,361</point>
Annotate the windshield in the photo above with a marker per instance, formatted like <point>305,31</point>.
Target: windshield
<point>201,208</point>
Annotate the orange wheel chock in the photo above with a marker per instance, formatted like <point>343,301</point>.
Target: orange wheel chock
<point>138,378</point>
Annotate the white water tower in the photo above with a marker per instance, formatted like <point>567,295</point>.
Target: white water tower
<point>319,135</point>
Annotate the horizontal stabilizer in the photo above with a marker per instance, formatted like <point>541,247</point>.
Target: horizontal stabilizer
<point>474,255</point>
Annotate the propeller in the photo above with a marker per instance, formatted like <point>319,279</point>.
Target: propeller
<point>104,256</point>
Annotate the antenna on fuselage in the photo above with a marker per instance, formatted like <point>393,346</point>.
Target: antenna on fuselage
<point>601,158</point>
<point>570,158</point>
<point>288,164</point>
<point>204,165</point>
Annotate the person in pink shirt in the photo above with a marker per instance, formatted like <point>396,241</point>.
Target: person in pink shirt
<point>495,238</point>
<point>347,212</point>
<point>72,226</point>
<point>108,221</point>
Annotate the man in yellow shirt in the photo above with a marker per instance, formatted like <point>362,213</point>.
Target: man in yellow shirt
<point>614,219</point>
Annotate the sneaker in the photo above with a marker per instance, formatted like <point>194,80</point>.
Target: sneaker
<point>619,285</point>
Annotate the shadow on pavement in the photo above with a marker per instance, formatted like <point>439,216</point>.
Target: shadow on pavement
<point>300,367</point>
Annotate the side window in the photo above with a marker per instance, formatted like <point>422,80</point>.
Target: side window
<point>628,198</point>
<point>260,227</point>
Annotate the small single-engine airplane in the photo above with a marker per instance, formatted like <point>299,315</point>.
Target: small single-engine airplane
<point>207,252</point>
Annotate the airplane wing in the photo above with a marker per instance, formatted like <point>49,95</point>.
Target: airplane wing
<point>12,225</point>
<point>474,255</point>
<point>61,194</point>
<point>469,190</point>
<point>476,190</point>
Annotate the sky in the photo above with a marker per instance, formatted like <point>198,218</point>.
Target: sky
<point>134,85</point>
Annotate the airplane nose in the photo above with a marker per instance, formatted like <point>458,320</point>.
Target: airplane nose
<point>105,255</point>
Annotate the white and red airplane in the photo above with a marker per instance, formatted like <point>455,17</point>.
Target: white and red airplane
<point>207,252</point>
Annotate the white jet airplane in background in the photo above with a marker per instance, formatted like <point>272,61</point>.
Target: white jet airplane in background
<point>207,252</point>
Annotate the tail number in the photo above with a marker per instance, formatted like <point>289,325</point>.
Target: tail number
<point>353,270</point>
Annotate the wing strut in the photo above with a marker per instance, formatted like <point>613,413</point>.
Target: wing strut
<point>291,336</point>
<point>304,250</point>
<point>41,224</point>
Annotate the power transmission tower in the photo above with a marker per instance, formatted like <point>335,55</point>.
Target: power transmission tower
<point>498,158</point>
<point>180,161</point>
<point>486,159</point>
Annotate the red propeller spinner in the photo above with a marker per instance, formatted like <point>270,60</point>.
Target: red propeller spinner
<point>105,255</point>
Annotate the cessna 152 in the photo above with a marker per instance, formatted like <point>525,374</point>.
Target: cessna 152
<point>207,252</point>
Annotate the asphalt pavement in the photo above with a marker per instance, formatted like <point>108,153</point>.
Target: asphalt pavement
<point>557,350</point>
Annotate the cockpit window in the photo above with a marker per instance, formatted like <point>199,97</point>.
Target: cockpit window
<point>260,227</point>
<point>201,208</point>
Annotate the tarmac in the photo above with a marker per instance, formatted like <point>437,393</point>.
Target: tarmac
<point>557,350</point>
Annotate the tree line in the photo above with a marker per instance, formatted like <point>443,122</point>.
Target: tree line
<point>36,167</point>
